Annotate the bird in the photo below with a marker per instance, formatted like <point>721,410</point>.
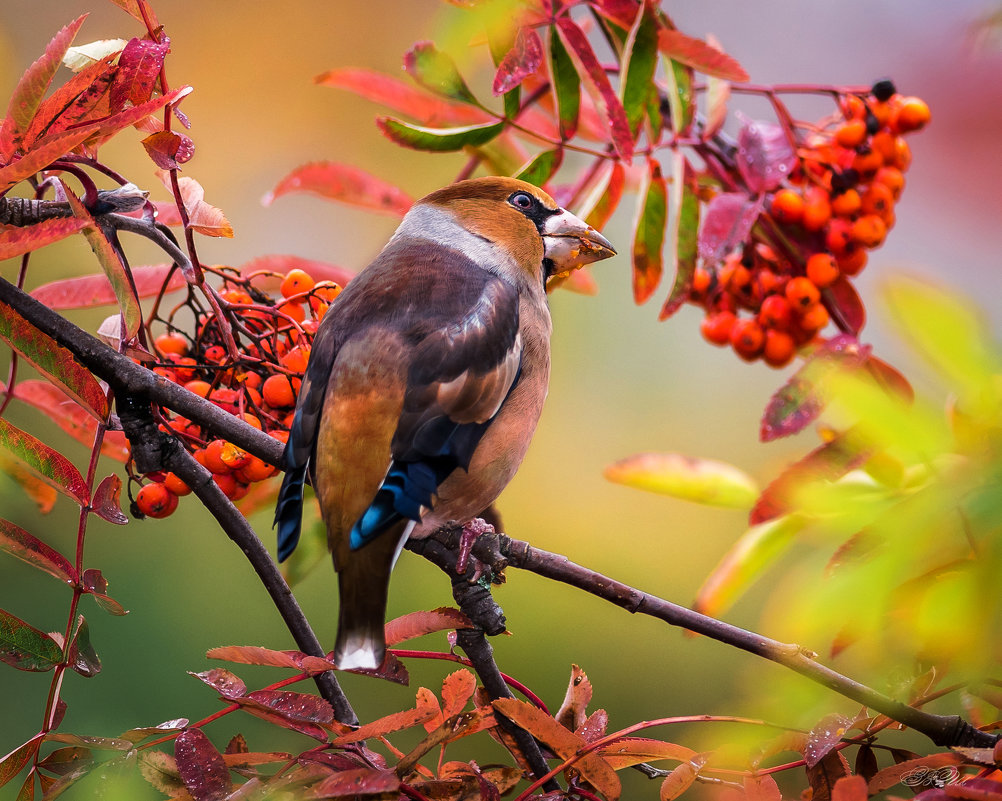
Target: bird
<point>424,384</point>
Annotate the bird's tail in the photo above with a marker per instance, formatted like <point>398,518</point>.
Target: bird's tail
<point>363,586</point>
<point>289,511</point>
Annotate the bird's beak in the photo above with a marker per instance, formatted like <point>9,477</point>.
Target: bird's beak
<point>569,242</point>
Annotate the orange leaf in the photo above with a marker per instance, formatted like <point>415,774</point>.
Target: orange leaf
<point>677,782</point>
<point>850,788</point>
<point>425,709</point>
<point>202,217</point>
<point>762,788</point>
<point>574,709</point>
<point>132,7</point>
<point>634,750</point>
<point>417,624</point>
<point>44,495</point>
<point>18,241</point>
<point>257,655</point>
<point>888,777</point>
<point>457,689</point>
<point>700,56</point>
<point>344,183</point>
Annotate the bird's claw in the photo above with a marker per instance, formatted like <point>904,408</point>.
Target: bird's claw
<point>467,539</point>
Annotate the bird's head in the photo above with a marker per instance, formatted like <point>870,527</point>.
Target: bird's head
<point>510,227</point>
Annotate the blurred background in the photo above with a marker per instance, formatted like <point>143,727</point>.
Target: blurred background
<point>622,382</point>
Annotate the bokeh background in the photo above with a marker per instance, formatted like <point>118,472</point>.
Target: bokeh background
<point>622,382</point>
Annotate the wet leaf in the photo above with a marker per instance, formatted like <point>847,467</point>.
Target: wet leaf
<point>24,647</point>
<point>28,548</point>
<point>594,727</point>
<point>437,140</point>
<point>295,706</point>
<point>706,481</point>
<point>66,760</point>
<point>523,60</point>
<point>160,770</point>
<point>648,233</point>
<point>168,149</point>
<point>106,503</point>
<point>683,234</point>
<point>256,655</point>
<point>358,782</point>
<point>765,155</point>
<point>45,462</point>
<point>201,766</point>
<point>344,183</point>
<point>18,241</point>
<point>85,291</point>
<point>581,51</point>
<point>640,58</point>
<point>566,85</point>
<point>81,99</point>
<point>101,743</point>
<point>227,684</point>
<point>728,220</point>
<point>700,56</point>
<point>138,72</point>
<point>83,658</point>
<point>437,73</point>
<point>140,733</point>
<point>845,305</point>
<point>541,167</point>
<point>629,751</point>
<point>824,737</point>
<point>417,624</point>
<point>574,710</point>
<point>97,585</point>
<point>426,708</point>
<point>824,775</point>
<point>748,558</point>
<point>135,114</point>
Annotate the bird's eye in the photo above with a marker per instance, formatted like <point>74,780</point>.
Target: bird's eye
<point>521,200</point>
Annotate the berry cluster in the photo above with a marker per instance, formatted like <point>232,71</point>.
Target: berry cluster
<point>259,382</point>
<point>837,204</point>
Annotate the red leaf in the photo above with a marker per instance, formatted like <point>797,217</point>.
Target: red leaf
<point>18,241</point>
<point>71,418</point>
<point>847,310</point>
<point>106,501</point>
<point>358,782</point>
<point>14,762</point>
<point>826,462</point>
<point>138,71</point>
<point>259,710</point>
<point>53,361</point>
<point>83,658</point>
<point>256,655</point>
<point>608,192</point>
<point>299,707</point>
<point>850,788</point>
<point>889,378</point>
<point>521,61</point>
<point>823,776</point>
<point>622,12</point>
<point>417,624</point>
<point>402,97</point>
<point>95,290</point>
<point>320,270</point>
<point>578,45</point>
<point>344,183</point>
<point>888,777</point>
<point>132,7</point>
<point>97,585</point>
<point>700,56</point>
<point>28,548</point>
<point>649,234</point>
<point>728,219</point>
<point>26,648</point>
<point>169,149</point>
<point>765,155</point>
<point>824,737</point>
<point>31,88</point>
<point>762,788</point>
<point>45,151</point>
<point>426,708</point>
<point>74,101</point>
<point>677,782</point>
<point>227,684</point>
<point>136,114</point>
<point>48,464</point>
<point>201,766</point>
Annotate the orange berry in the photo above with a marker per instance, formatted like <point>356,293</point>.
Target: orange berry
<point>701,280</point>
<point>883,142</point>
<point>882,110</point>
<point>239,296</point>
<point>853,107</point>
<point>778,349</point>
<point>910,114</point>
<point>176,485</point>
<point>775,312</point>
<point>172,342</point>
<point>155,500</point>
<point>877,199</point>
<point>326,291</point>
<point>184,368</point>
<point>902,155</point>
<point>846,203</point>
<point>227,482</point>
<point>278,391</point>
<point>215,354</point>
<point>166,372</point>
<point>787,206</point>
<point>225,399</point>
<point>853,262</point>
<point>296,311</point>
<point>255,470</point>
<point>233,457</point>
<point>747,339</point>
<point>869,230</point>
<point>199,456</point>
<point>311,326</point>
<point>214,461</point>
<point>838,237</point>
<point>892,178</point>
<point>199,387</point>
<point>296,282</point>
<point>296,359</point>
<point>867,162</point>
<point>814,318</point>
<point>241,489</point>
<point>817,209</point>
<point>822,269</point>
<point>281,436</point>
<point>251,420</point>
<point>251,380</point>
<point>851,134</point>
<point>716,327</point>
<point>802,293</point>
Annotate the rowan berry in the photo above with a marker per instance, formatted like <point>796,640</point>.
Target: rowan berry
<point>296,282</point>
<point>172,342</point>
<point>166,372</point>
<point>701,281</point>
<point>846,204</point>
<point>787,206</point>
<point>155,500</point>
<point>176,485</point>
<point>278,391</point>
<point>817,209</point>
<point>892,178</point>
<point>214,461</point>
<point>778,349</point>
<point>852,262</point>
<point>867,162</point>
<point>233,456</point>
<point>296,359</point>
<point>802,293</point>
<point>775,312</point>
<point>851,134</point>
<point>281,436</point>
<point>236,296</point>
<point>184,368</point>
<point>853,107</point>
<point>255,470</point>
<point>869,230</point>
<point>227,482</point>
<point>902,154</point>
<point>877,199</point>
<point>822,269</point>
<point>911,114</point>
<point>225,399</point>
<point>214,354</point>
<point>294,310</point>
<point>199,387</point>
<point>326,291</point>
<point>814,318</point>
<point>252,420</point>
<point>716,327</point>
<point>747,339</point>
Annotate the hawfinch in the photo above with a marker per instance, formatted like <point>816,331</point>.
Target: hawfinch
<point>425,383</point>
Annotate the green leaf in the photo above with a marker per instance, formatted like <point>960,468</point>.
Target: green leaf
<point>754,552</point>
<point>437,140</point>
<point>705,481</point>
<point>435,71</point>
<point>25,647</point>
<point>53,361</point>
<point>680,96</point>
<point>540,169</point>
<point>649,233</point>
<point>566,87</point>
<point>684,234</point>
<point>28,548</point>
<point>639,63</point>
<point>48,464</point>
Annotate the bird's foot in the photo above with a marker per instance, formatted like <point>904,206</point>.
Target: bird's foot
<point>467,538</point>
